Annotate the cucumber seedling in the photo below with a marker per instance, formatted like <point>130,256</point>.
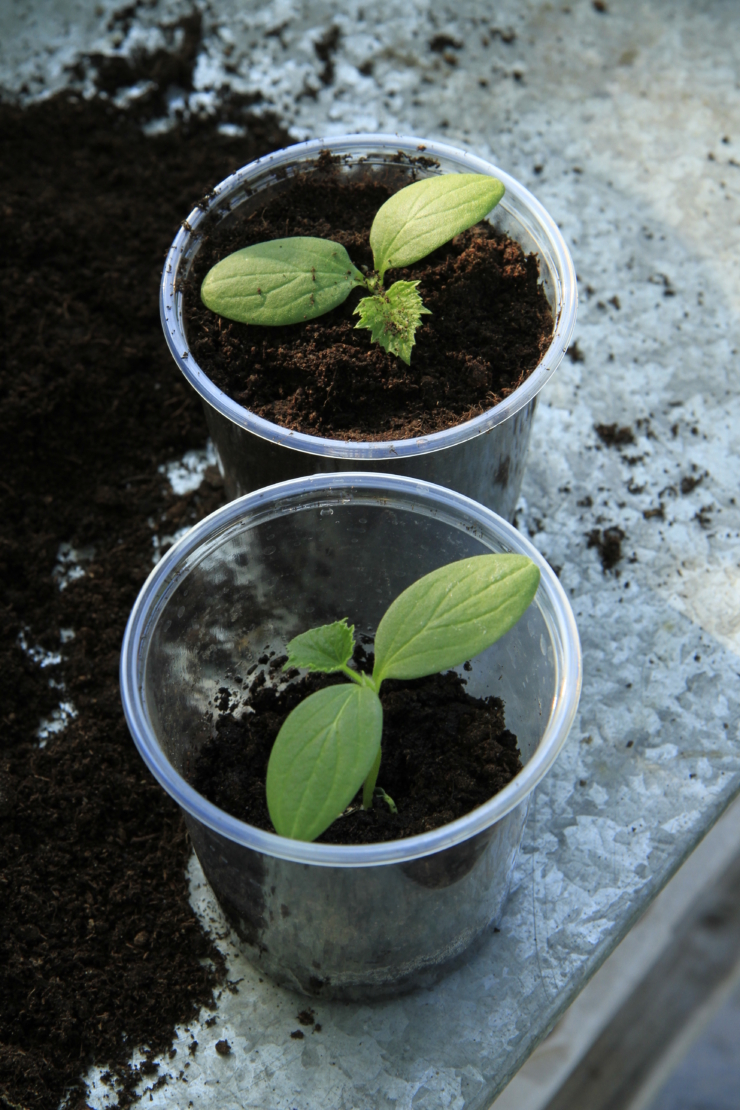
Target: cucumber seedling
<point>329,745</point>
<point>287,281</point>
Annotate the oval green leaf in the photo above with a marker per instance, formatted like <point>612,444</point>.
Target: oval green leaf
<point>281,282</point>
<point>326,648</point>
<point>452,614</point>
<point>423,216</point>
<point>321,757</point>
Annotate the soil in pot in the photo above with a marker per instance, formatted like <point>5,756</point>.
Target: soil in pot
<point>444,753</point>
<point>490,324</point>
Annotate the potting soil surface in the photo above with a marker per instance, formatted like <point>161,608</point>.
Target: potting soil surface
<point>489,326</point>
<point>444,754</point>
<point>99,948</point>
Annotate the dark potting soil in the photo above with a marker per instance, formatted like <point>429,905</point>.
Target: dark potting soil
<point>99,949</point>
<point>444,754</point>
<point>490,325</point>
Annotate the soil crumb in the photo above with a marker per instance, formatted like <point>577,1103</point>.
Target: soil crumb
<point>614,436</point>
<point>689,482</point>
<point>609,545</point>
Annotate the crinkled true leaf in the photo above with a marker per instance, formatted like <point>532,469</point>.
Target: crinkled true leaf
<point>393,317</point>
<point>453,613</point>
<point>421,217</point>
<point>321,757</point>
<point>326,648</point>
<point>283,281</point>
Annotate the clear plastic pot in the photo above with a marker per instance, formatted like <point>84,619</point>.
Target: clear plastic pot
<point>483,458</point>
<point>340,920</point>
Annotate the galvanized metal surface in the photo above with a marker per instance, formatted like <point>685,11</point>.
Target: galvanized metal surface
<point>626,113</point>
<point>616,986</point>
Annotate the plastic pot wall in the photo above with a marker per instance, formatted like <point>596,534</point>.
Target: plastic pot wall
<point>339,920</point>
<point>483,458</point>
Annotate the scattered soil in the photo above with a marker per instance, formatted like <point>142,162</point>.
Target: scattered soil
<point>444,754</point>
<point>614,436</point>
<point>609,545</point>
<point>99,948</point>
<point>440,43</point>
<point>574,352</point>
<point>490,324</point>
<point>689,482</point>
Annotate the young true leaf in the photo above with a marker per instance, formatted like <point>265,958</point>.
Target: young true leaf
<point>421,217</point>
<point>393,317</point>
<point>452,614</point>
<point>321,757</point>
<point>326,648</point>
<point>283,281</point>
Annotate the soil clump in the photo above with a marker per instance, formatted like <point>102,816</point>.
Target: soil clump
<point>614,436</point>
<point>608,544</point>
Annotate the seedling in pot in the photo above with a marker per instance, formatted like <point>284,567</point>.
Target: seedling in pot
<point>329,746</point>
<point>287,281</point>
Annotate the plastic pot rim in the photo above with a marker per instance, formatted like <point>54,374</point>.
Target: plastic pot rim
<point>170,304</point>
<point>563,633</point>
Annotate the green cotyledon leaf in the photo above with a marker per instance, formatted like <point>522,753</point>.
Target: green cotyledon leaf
<point>393,317</point>
<point>326,648</point>
<point>322,755</point>
<point>452,614</point>
<point>422,216</point>
<point>284,281</point>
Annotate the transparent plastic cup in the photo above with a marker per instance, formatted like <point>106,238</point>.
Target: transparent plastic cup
<point>341,920</point>
<point>483,458</point>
